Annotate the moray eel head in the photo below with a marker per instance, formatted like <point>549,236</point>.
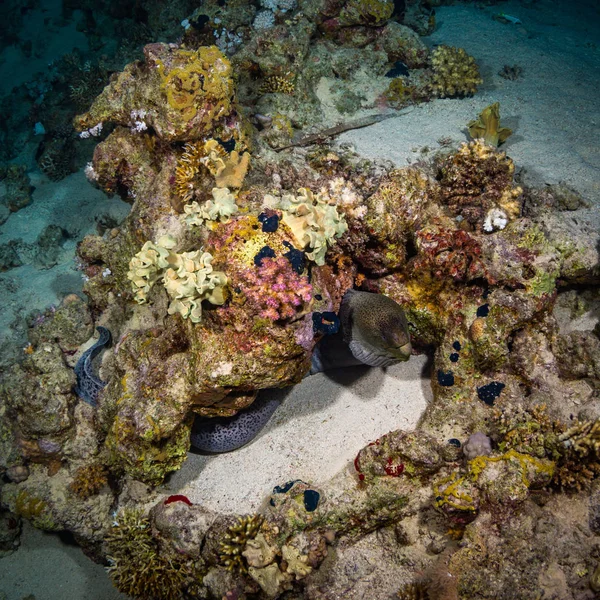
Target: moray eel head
<point>375,328</point>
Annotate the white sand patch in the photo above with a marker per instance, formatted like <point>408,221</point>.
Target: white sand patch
<point>314,434</point>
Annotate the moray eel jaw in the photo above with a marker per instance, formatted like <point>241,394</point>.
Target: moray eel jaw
<point>379,357</point>
<point>402,353</point>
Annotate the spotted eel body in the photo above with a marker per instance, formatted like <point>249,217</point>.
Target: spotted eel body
<point>88,384</point>
<point>225,434</point>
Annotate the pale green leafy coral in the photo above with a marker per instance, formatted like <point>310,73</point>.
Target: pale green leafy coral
<point>188,277</point>
<point>219,209</point>
<point>313,219</point>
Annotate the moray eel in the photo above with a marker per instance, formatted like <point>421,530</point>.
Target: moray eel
<point>375,328</point>
<point>224,434</point>
<point>374,333</point>
<point>88,385</point>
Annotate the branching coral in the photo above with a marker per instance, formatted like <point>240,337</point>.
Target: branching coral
<point>235,541</point>
<point>455,73</point>
<point>584,437</point>
<point>188,277</point>
<point>574,450</point>
<point>476,180</point>
<point>275,290</point>
<point>138,567</point>
<point>313,219</point>
<point>487,126</point>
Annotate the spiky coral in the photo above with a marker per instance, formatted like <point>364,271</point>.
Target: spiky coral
<point>455,73</point>
<point>278,84</point>
<point>229,170</point>
<point>235,540</point>
<point>275,290</point>
<point>138,567</point>
<point>188,167</point>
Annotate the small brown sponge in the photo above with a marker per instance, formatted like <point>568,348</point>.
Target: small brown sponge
<point>88,481</point>
<point>487,126</point>
<point>477,184</point>
<point>366,12</point>
<point>455,73</point>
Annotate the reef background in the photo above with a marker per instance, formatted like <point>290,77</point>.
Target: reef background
<point>552,108</point>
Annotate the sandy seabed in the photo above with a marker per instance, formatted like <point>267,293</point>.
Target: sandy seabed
<point>554,112</point>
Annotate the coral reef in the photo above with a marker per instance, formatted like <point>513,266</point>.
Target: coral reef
<point>221,281</point>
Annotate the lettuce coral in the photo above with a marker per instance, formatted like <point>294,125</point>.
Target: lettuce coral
<point>192,281</point>
<point>188,277</point>
<point>220,208</point>
<point>313,219</point>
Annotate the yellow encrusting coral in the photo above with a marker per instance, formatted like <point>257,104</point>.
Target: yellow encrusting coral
<point>199,80</point>
<point>455,73</point>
